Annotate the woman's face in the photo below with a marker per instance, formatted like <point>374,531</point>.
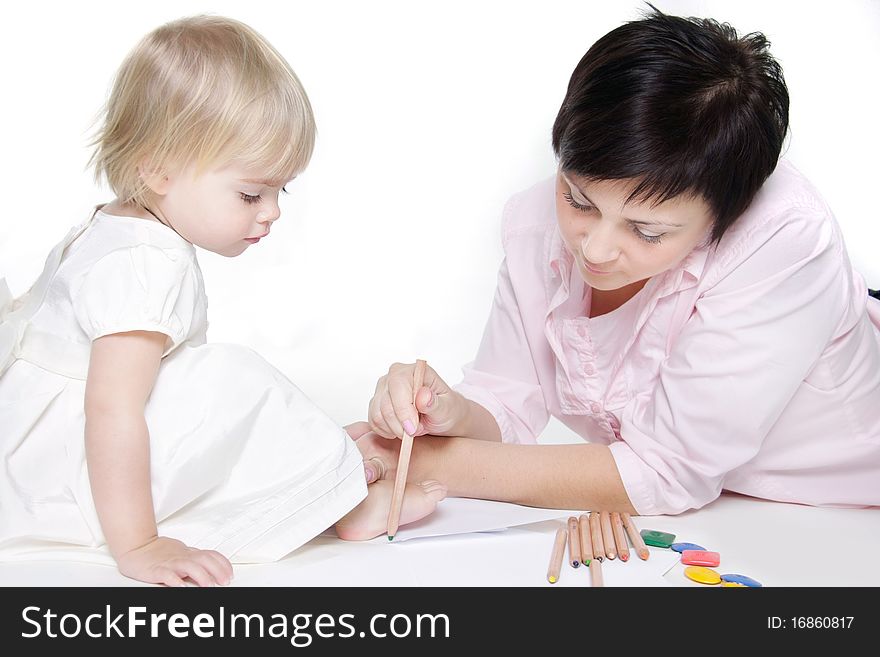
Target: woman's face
<point>616,243</point>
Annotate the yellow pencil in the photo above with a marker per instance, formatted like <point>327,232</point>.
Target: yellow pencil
<point>403,460</point>
<point>556,556</point>
<point>586,543</point>
<point>636,538</point>
<point>574,543</point>
<point>607,534</point>
<point>596,535</point>
<point>619,536</point>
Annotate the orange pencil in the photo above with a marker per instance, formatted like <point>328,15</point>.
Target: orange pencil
<point>619,536</point>
<point>607,534</point>
<point>596,573</point>
<point>596,535</point>
<point>556,556</point>
<point>574,543</point>
<point>636,538</point>
<point>586,543</point>
<point>403,461</point>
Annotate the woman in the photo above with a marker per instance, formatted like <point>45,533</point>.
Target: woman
<point>675,294</point>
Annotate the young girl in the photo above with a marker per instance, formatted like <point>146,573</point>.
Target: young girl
<point>672,295</point>
<point>120,427</point>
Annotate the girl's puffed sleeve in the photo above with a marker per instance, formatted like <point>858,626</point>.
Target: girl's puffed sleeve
<point>142,288</point>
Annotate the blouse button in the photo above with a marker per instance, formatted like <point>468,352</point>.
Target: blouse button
<point>595,408</point>
<point>582,331</point>
<point>589,369</point>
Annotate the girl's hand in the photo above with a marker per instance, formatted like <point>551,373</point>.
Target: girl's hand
<point>438,410</point>
<point>167,561</point>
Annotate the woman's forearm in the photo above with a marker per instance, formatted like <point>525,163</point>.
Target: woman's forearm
<point>478,423</point>
<point>552,476</point>
<point>118,456</point>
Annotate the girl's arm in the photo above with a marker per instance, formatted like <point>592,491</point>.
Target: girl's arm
<point>122,370</point>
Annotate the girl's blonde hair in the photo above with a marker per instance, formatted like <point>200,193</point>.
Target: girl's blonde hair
<point>204,90</point>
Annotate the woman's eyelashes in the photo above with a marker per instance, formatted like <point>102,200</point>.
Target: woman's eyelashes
<point>583,207</point>
<point>577,206</point>
<point>648,237</point>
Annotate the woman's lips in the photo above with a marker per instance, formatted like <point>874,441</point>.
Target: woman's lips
<point>590,268</point>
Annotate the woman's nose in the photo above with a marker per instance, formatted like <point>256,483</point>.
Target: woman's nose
<point>599,246</point>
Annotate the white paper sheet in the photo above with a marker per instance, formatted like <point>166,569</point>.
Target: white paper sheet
<point>517,557</point>
<point>458,515</point>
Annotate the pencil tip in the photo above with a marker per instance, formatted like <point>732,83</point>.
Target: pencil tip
<point>390,538</point>
<point>552,579</point>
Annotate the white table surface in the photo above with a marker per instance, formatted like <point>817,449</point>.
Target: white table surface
<point>777,544</point>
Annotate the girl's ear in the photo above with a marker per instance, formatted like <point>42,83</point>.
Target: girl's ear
<point>157,180</point>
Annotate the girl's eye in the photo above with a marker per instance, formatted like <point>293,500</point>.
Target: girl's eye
<point>577,206</point>
<point>648,237</point>
<point>247,198</point>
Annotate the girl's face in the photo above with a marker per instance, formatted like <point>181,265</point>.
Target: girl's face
<point>615,243</point>
<point>224,210</point>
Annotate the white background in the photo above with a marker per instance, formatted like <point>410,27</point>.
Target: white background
<point>429,116</point>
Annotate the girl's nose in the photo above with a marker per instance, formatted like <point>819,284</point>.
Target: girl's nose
<point>270,214</point>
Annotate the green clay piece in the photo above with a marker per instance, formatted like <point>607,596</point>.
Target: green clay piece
<point>657,539</point>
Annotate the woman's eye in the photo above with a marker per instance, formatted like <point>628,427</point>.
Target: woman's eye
<point>653,238</point>
<point>247,198</point>
<point>578,206</point>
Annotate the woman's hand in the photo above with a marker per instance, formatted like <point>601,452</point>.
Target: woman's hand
<point>167,561</point>
<point>439,410</point>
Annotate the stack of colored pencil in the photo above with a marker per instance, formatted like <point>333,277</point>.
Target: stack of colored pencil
<point>593,538</point>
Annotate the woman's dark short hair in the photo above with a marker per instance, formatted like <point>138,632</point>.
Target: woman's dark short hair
<point>681,105</point>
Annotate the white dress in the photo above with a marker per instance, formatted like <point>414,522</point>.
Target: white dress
<point>241,461</point>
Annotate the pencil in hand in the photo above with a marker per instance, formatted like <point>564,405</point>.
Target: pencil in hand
<point>406,444</point>
<point>556,556</point>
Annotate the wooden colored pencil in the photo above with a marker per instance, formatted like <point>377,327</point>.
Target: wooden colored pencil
<point>607,534</point>
<point>403,460</point>
<point>574,543</point>
<point>586,542</point>
<point>596,573</point>
<point>636,538</point>
<point>556,556</point>
<point>619,536</point>
<point>596,535</point>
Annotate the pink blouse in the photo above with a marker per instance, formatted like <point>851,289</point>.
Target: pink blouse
<point>752,367</point>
